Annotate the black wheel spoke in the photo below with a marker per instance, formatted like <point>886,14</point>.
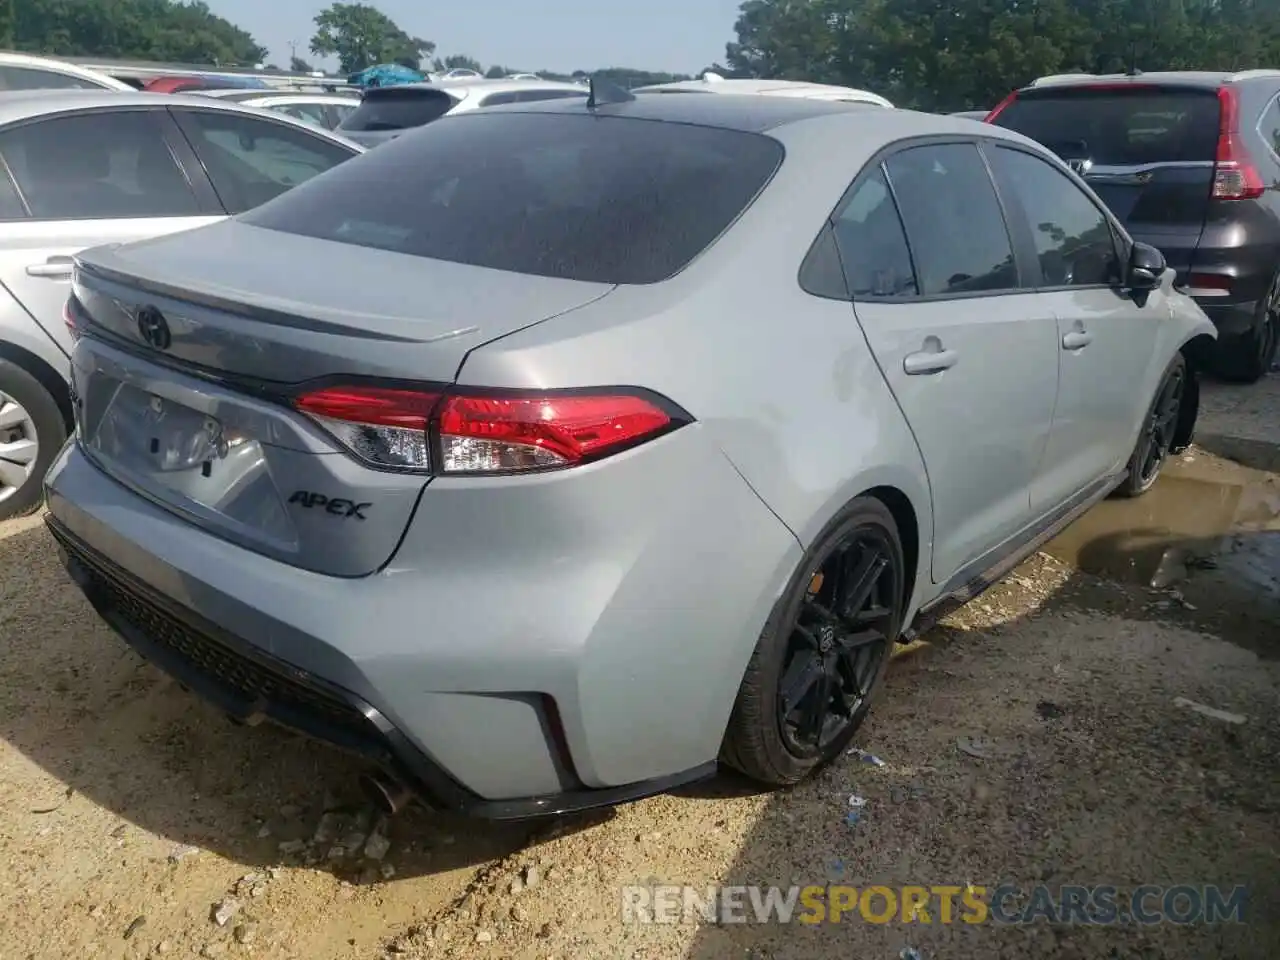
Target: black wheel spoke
<point>816,709</point>
<point>856,588</point>
<point>799,679</point>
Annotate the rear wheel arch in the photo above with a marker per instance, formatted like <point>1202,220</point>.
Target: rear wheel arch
<point>47,377</point>
<point>904,515</point>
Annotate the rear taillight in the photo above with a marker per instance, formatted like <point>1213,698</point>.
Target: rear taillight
<point>1234,175</point>
<point>69,318</point>
<point>1000,107</point>
<point>445,431</point>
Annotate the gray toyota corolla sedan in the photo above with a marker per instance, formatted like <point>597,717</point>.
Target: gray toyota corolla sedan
<point>552,453</point>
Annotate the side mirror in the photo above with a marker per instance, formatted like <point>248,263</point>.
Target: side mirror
<point>1146,267</point>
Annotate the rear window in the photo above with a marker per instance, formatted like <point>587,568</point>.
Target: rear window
<point>574,196</point>
<point>1119,127</point>
<point>398,110</point>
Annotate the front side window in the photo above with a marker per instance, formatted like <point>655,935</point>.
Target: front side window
<point>1074,242</point>
<point>603,199</point>
<point>98,166</point>
<point>954,224</point>
<point>27,78</point>
<point>251,161</point>
<point>873,248</point>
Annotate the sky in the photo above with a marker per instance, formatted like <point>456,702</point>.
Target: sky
<point>679,36</point>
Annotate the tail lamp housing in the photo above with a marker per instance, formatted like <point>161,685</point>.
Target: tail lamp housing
<point>462,431</point>
<point>1234,175</point>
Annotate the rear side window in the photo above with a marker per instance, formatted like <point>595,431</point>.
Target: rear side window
<point>873,248</point>
<point>604,199</point>
<point>1269,127</point>
<point>25,78</point>
<point>97,166</point>
<point>251,161</point>
<point>1111,127</point>
<point>953,220</point>
<point>398,110</point>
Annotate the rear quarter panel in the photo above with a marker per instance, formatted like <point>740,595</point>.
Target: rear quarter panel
<point>781,381</point>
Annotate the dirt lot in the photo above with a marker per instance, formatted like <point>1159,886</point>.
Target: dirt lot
<point>135,822</point>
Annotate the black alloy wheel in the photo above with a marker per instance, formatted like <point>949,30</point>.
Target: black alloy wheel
<point>822,654</point>
<point>1158,431</point>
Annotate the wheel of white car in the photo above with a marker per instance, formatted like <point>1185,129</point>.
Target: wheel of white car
<point>32,431</point>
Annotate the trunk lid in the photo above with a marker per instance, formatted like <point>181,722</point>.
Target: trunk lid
<point>1148,150</point>
<point>198,422</point>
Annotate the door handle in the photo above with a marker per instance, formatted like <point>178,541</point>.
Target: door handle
<point>1076,339</point>
<point>55,268</point>
<point>929,361</point>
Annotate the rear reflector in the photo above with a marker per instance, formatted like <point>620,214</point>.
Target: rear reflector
<point>69,318</point>
<point>486,432</point>
<point>1234,177</point>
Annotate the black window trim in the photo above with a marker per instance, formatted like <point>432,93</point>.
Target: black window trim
<point>178,114</point>
<point>172,140</point>
<point>1120,239</point>
<point>876,162</point>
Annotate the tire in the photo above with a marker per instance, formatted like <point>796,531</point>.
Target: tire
<point>1248,358</point>
<point>759,741</point>
<point>1159,425</point>
<point>28,415</point>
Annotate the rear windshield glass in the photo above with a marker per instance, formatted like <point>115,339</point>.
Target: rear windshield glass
<point>1119,127</point>
<point>580,197</point>
<point>398,110</point>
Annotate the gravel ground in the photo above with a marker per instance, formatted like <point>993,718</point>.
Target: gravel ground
<point>135,822</point>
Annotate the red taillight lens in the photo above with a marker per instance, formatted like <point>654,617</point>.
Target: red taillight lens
<point>69,318</point>
<point>1234,177</point>
<point>486,431</point>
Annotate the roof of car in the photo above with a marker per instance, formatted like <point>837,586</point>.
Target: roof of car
<point>11,59</point>
<point>469,85</point>
<point>714,83</point>
<point>240,96</point>
<point>25,104</point>
<point>1193,78</point>
<point>746,112</point>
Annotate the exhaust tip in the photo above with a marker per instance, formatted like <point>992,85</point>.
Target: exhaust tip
<point>387,794</point>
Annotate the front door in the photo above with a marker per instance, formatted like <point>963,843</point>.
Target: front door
<point>85,180</point>
<point>970,357</point>
<point>1106,338</point>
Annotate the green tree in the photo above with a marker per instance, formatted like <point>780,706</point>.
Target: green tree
<point>963,54</point>
<point>298,65</point>
<point>127,29</point>
<point>458,61</point>
<point>361,36</point>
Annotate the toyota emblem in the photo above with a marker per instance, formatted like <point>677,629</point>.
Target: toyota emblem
<point>153,328</point>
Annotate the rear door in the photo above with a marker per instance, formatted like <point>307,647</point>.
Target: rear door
<point>970,356</point>
<point>1106,337</point>
<point>1147,150</point>
<point>87,179</point>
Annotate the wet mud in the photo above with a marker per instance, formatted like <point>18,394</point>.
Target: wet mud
<point>1204,542</point>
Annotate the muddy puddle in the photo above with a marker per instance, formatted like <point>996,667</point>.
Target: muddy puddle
<point>1204,542</point>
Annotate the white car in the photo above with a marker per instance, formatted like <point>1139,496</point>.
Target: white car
<point>324,110</point>
<point>82,168</point>
<point>18,71</point>
<point>386,112</point>
<point>714,83</point>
